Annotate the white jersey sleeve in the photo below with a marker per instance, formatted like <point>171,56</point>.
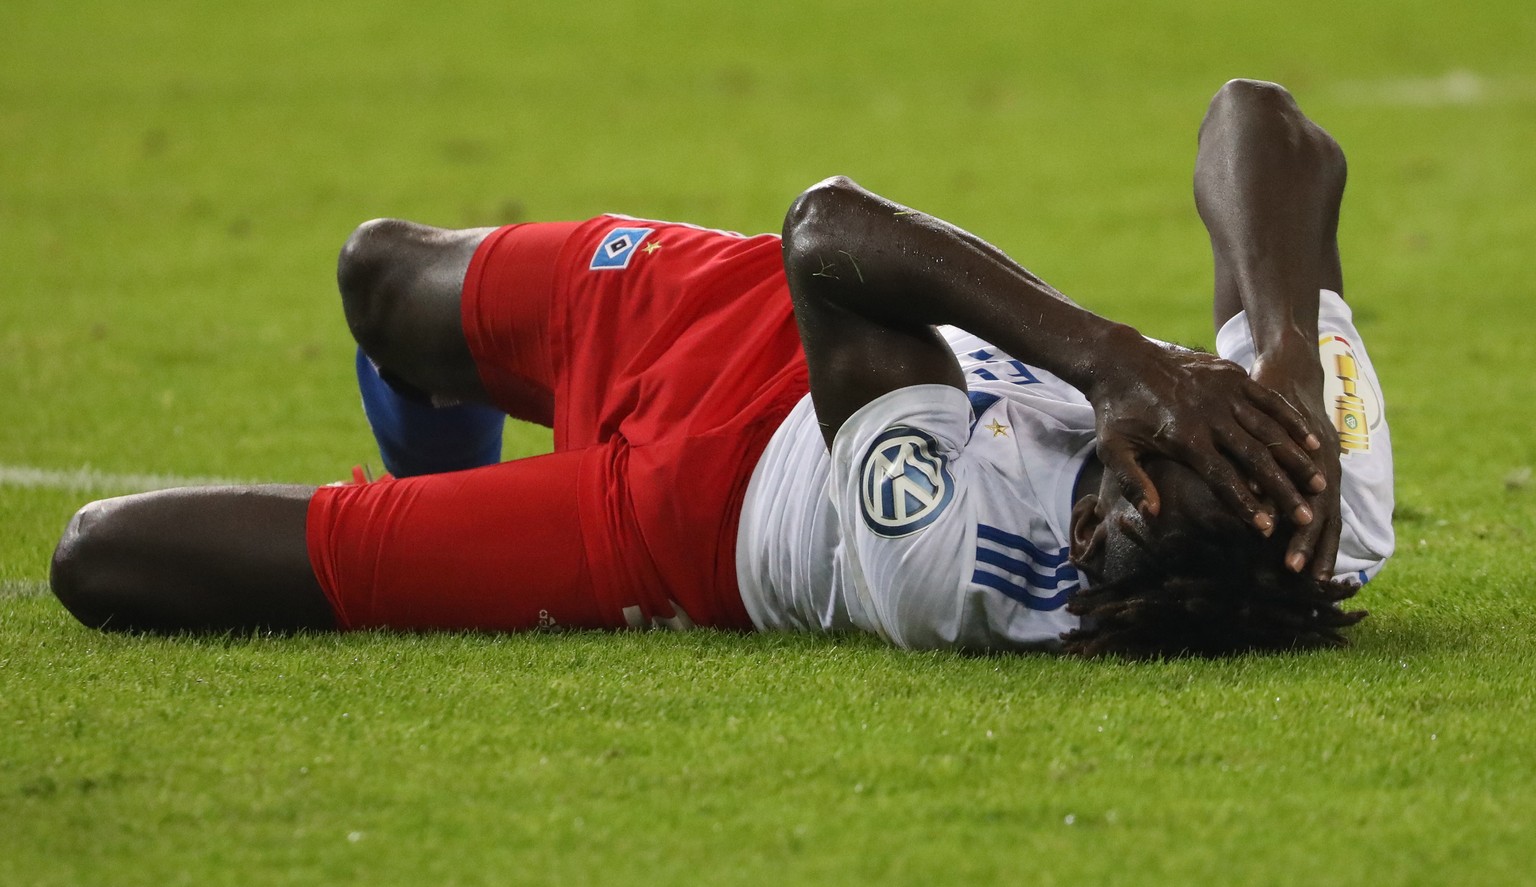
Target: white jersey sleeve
<point>1352,395</point>
<point>942,529</point>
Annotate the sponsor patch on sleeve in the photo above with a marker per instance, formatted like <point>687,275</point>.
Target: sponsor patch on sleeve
<point>1351,399</point>
<point>905,482</point>
<point>617,248</point>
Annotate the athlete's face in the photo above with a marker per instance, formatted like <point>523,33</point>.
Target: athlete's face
<point>1112,539</point>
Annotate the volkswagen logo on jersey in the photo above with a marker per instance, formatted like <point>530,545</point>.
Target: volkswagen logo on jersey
<point>905,483</point>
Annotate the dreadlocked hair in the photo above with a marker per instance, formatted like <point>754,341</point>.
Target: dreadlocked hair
<point>1210,605</point>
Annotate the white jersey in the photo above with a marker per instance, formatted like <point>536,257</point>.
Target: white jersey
<point>940,519</point>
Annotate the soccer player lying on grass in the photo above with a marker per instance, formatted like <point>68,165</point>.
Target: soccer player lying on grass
<point>980,463</point>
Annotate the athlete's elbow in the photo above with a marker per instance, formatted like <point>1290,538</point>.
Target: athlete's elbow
<point>817,218</point>
<point>818,207</point>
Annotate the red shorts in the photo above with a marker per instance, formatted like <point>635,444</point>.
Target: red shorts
<point>664,356</point>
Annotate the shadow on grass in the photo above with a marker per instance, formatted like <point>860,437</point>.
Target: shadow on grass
<point>1386,634</point>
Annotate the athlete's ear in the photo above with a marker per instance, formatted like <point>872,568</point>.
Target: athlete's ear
<point>1088,532</point>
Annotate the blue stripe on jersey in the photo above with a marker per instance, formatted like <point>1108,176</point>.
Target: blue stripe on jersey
<point>1022,569</point>
<point>1039,580</point>
<point>981,401</point>
<point>1018,371</point>
<point>1002,537</point>
<point>1021,593</point>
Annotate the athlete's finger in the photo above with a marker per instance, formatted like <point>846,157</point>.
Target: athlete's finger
<point>1296,461</point>
<point>1299,551</point>
<point>1314,546</point>
<point>1230,488</point>
<point>1262,467</point>
<point>1119,459</point>
<point>1280,410</point>
<point>1325,558</point>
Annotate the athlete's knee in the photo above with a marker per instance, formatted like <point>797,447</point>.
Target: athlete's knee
<point>83,574</point>
<point>369,276</point>
<point>401,284</point>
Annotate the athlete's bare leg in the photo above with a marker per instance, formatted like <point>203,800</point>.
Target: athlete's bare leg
<point>235,558</point>
<point>209,559</point>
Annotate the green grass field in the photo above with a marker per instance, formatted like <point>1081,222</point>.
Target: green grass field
<point>176,176</point>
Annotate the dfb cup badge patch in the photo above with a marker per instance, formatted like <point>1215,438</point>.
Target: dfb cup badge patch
<point>905,483</point>
<point>1354,402</point>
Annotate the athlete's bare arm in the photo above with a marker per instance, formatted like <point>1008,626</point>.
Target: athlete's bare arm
<point>871,278</point>
<point>1268,185</point>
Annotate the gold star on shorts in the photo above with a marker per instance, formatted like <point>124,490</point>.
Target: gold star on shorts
<point>650,247</point>
<point>997,428</point>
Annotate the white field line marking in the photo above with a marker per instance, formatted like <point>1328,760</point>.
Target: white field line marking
<point>89,480</point>
<point>1460,87</point>
<point>22,588</point>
